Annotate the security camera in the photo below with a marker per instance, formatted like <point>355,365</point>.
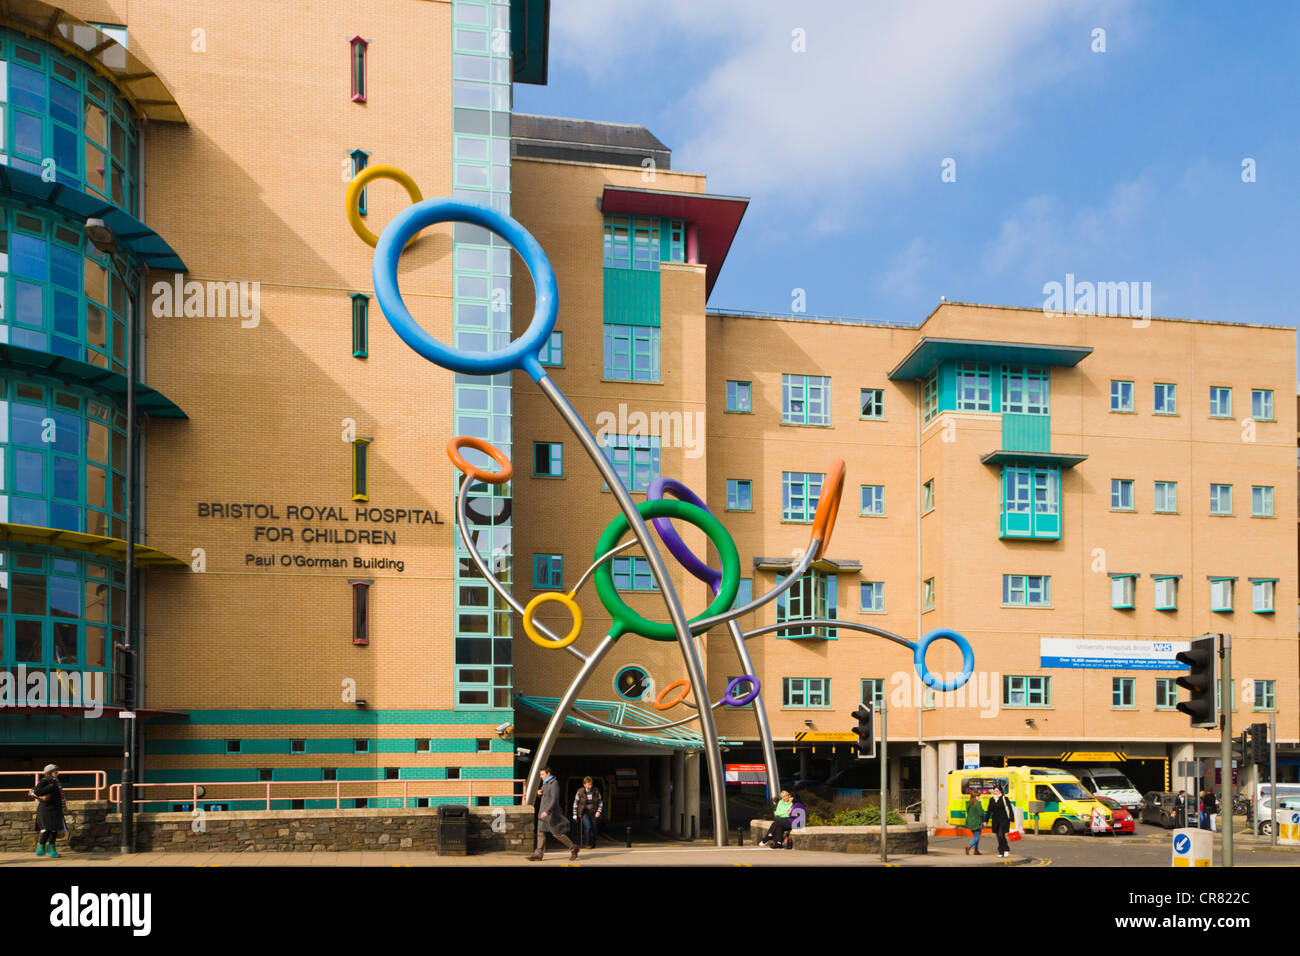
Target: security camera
<point>505,730</point>
<point>522,753</point>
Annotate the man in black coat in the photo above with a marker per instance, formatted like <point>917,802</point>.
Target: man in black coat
<point>48,793</point>
<point>550,818</point>
<point>1001,817</point>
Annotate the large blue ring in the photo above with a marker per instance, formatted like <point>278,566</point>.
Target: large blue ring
<point>967,659</point>
<point>522,353</point>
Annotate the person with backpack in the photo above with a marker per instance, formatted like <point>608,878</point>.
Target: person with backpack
<point>587,807</point>
<point>48,794</point>
<point>1001,817</point>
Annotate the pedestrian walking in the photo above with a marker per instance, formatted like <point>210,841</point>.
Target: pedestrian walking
<point>779,832</point>
<point>1209,807</point>
<point>48,794</point>
<point>587,807</point>
<point>1180,809</point>
<point>974,823</point>
<point>550,819</point>
<point>1001,817</point>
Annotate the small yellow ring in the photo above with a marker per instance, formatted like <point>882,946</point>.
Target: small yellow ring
<point>359,182</point>
<point>567,600</point>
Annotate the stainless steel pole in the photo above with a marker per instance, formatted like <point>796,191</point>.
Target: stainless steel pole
<point>1225,745</point>
<point>760,712</point>
<point>557,719</point>
<point>1272,776</point>
<point>884,782</point>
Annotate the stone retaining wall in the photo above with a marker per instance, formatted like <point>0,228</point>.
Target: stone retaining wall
<point>909,838</point>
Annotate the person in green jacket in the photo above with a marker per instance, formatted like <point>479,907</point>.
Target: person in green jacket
<point>974,823</point>
<point>780,828</point>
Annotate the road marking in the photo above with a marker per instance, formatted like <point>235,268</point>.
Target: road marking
<point>742,864</point>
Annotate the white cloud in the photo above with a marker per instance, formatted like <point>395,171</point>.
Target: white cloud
<point>902,280</point>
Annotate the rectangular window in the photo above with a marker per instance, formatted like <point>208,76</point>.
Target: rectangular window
<point>805,400</point>
<point>872,595</point>
<point>633,574</point>
<point>548,571</point>
<point>1031,502</point>
<point>806,692</point>
<point>361,469</point>
<point>738,397</point>
<point>1122,589</point>
<point>1121,494</point>
<point>1026,691</point>
<point>632,353</point>
<point>1166,592</point>
<point>873,403</point>
<point>873,690</point>
<point>1261,404</point>
<point>873,499</point>
<point>815,596</point>
<point>359,69</point>
<point>360,612</point>
<point>1220,401</point>
<point>799,493</point>
<point>1220,499</point>
<point>1261,501</point>
<point>1165,400</point>
<point>740,494</point>
<point>927,497</point>
<point>1164,498</point>
<point>1265,695</point>
<point>1261,595</point>
<point>632,242</point>
<point>1221,593</point>
<point>1027,590</point>
<point>1025,390</point>
<point>1121,396</point>
<point>360,159</point>
<point>552,353</point>
<point>927,594</point>
<point>1166,693</point>
<point>930,396</point>
<point>548,459</point>
<point>635,459</point>
<point>360,325</point>
<point>974,387</point>
<point>1123,693</point>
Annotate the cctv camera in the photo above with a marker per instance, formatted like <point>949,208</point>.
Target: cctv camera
<point>521,753</point>
<point>502,728</point>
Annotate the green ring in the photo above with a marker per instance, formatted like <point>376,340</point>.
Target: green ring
<point>627,620</point>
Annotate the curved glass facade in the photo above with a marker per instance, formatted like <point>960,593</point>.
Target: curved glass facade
<point>60,119</point>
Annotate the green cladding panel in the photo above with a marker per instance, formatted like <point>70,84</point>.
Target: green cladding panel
<point>1026,432</point>
<point>631,297</point>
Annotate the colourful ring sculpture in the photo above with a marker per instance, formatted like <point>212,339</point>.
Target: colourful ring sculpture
<point>359,182</point>
<point>828,508</point>
<point>733,684</point>
<point>478,474</point>
<point>672,540</point>
<point>967,659</point>
<point>627,620</point>
<point>531,609</point>
<point>685,685</point>
<point>522,353</point>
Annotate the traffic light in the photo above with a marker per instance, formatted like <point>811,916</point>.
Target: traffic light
<point>1202,659</point>
<point>866,730</point>
<point>1259,743</point>
<point>1241,749</point>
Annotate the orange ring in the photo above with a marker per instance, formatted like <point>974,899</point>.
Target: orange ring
<point>686,689</point>
<point>478,474</point>
<point>828,508</point>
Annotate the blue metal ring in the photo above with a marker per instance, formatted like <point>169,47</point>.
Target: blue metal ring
<point>967,659</point>
<point>522,353</point>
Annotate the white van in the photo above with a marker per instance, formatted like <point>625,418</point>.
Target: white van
<point>1109,782</point>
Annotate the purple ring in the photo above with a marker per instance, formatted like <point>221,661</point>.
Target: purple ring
<point>742,701</point>
<point>672,540</point>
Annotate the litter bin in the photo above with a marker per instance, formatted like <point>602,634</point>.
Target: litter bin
<point>453,831</point>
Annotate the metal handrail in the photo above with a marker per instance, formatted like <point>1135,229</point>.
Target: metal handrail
<point>275,790</point>
<point>20,793</point>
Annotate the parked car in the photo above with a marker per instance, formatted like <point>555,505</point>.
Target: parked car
<point>1159,808</point>
<point>1264,818</point>
<point>1121,821</point>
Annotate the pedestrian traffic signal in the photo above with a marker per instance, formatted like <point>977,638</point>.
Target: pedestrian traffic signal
<point>866,730</point>
<point>1202,660</point>
<point>1259,743</point>
<point>1241,750</point>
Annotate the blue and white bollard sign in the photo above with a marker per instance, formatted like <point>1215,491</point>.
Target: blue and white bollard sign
<point>1192,847</point>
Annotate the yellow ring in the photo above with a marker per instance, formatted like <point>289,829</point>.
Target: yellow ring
<point>565,599</point>
<point>354,197</point>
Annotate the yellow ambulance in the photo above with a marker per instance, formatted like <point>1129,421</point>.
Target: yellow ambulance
<point>1066,806</point>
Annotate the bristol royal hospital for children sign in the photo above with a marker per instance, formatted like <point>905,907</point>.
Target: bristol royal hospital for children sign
<point>1110,655</point>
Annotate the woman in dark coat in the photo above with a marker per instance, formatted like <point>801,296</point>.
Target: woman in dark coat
<point>1002,817</point>
<point>49,810</point>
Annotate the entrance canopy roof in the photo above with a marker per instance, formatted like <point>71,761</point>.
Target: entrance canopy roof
<point>616,712</point>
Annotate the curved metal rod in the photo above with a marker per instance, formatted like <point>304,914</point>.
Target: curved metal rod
<point>629,543</point>
<point>796,572</point>
<point>832,622</point>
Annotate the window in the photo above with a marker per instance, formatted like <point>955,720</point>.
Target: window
<point>552,353</point>
<point>873,499</point>
<point>974,387</point>
<point>233,746</point>
<point>360,612</point>
<point>740,494</point>
<point>1261,501</point>
<point>360,159</point>
<point>1220,499</point>
<point>1261,404</point>
<point>1166,588</point>
<point>673,236</point>
<point>930,396</point>
<point>815,596</point>
<point>548,459</point>
<point>806,692</point>
<point>1025,390</point>
<point>632,353</point>
<point>1266,695</point>
<point>744,594</point>
<point>927,594</point>
<point>1031,502</point>
<point>927,497</point>
<point>873,403</point>
<point>1027,590</point>
<point>1221,593</point>
<point>633,574</point>
<point>805,400</point>
<point>548,571</point>
<point>632,682</point>
<point>873,690</point>
<point>1121,494</point>
<point>360,325</point>
<point>361,469</point>
<point>1261,594</point>
<point>738,397</point>
<point>1164,498</point>
<point>358,46</point>
<point>1166,693</point>
<point>872,594</point>
<point>1165,401</point>
<point>1218,695</point>
<point>1122,589</point>
<point>1220,402</point>
<point>799,494</point>
<point>1026,691</point>
<point>422,744</point>
<point>632,242</point>
<point>298,746</point>
<point>635,459</point>
<point>360,745</point>
<point>1121,396</point>
<point>1122,692</point>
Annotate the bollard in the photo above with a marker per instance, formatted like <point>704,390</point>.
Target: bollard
<point>693,830</point>
<point>629,838</point>
<point>681,824</point>
<point>740,835</point>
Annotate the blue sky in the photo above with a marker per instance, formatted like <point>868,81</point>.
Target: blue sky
<point>1122,165</point>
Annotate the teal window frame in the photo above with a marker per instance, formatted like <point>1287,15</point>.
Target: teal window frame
<point>1026,390</point>
<point>636,459</point>
<point>1164,399</point>
<point>1123,693</point>
<point>1263,590</point>
<point>1220,499</point>
<point>631,353</point>
<point>1220,401</point>
<point>873,403</point>
<point>873,690</point>
<point>552,452</point>
<point>800,492</point>
<point>930,396</point>
<point>740,494</point>
<point>632,573</point>
<point>1265,695</point>
<point>360,160</point>
<point>1165,591</point>
<point>1222,594</point>
<point>871,597</point>
<point>1031,502</point>
<point>1121,396</point>
<point>927,595</point>
<point>1261,404</point>
<point>740,397</point>
<point>631,242</point>
<point>1027,590</point>
<point>1123,591</point>
<point>1218,695</point>
<point>974,387</point>
<point>806,693</point>
<point>672,238</point>
<point>814,596</point>
<point>873,500</point>
<point>1261,501</point>
<point>548,571</point>
<point>1166,693</point>
<point>1164,498</point>
<point>1026,690</point>
<point>552,353</point>
<point>927,496</point>
<point>806,400</point>
<point>1121,495</point>
<point>360,325</point>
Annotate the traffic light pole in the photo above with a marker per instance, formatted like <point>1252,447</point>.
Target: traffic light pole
<point>884,782</point>
<point>1225,745</point>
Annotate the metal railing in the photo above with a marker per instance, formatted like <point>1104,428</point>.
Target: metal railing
<point>409,792</point>
<point>29,778</point>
